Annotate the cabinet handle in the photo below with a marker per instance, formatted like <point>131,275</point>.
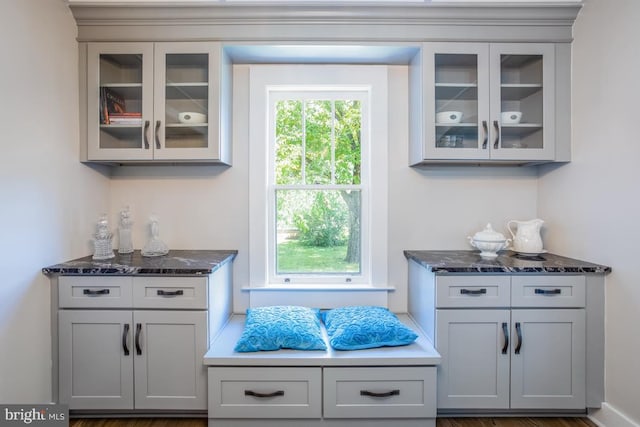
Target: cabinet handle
<point>505,332</point>
<point>146,134</point>
<point>170,293</point>
<point>383,394</point>
<point>125,335</point>
<point>257,394</point>
<point>519,332</point>
<point>156,133</point>
<point>485,130</point>
<point>548,291</point>
<point>100,292</point>
<point>480,291</point>
<point>138,331</point>
<point>497,140</point>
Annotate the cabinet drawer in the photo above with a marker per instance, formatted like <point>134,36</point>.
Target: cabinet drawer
<point>94,292</point>
<point>170,292</point>
<point>472,291</point>
<point>265,392</point>
<point>548,291</point>
<point>395,392</point>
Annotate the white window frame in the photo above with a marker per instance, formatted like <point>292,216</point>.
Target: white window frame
<point>368,79</point>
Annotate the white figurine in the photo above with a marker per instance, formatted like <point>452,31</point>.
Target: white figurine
<point>155,246</point>
<point>125,244</point>
<point>102,240</point>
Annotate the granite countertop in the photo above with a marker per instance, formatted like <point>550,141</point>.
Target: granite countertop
<point>176,262</point>
<point>506,262</point>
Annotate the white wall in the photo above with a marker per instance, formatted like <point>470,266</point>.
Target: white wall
<point>593,203</point>
<point>49,200</point>
<point>207,207</point>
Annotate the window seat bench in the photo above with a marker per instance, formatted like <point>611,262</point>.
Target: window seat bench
<point>382,386</point>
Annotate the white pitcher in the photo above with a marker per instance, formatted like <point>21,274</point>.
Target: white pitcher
<point>527,238</point>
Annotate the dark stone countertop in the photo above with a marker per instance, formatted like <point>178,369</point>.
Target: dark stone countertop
<point>506,262</point>
<point>176,262</point>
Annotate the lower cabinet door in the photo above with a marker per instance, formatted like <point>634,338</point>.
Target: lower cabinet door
<point>548,359</point>
<point>380,392</point>
<point>95,359</point>
<point>265,392</point>
<point>169,347</point>
<point>474,370</point>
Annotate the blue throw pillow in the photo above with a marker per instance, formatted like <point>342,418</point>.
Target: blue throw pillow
<point>360,327</point>
<point>276,327</point>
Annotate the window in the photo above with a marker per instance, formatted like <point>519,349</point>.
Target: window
<point>318,182</point>
<point>315,137</point>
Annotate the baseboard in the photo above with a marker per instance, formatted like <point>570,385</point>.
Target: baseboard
<point>608,416</point>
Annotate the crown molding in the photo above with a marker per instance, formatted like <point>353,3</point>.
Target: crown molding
<point>313,21</point>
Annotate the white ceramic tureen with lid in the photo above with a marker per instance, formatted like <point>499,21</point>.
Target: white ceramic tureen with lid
<point>489,242</point>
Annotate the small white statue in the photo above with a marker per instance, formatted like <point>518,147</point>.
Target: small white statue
<point>102,240</point>
<point>125,244</point>
<point>155,246</point>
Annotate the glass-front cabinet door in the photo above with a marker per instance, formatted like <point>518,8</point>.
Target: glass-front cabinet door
<point>522,101</point>
<point>120,101</point>
<point>155,102</point>
<point>485,101</point>
<point>186,108</point>
<point>457,100</point>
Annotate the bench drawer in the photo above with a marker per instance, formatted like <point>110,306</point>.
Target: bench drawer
<point>548,291</point>
<point>472,291</point>
<point>94,292</point>
<point>394,392</point>
<point>265,392</point>
<point>170,292</point>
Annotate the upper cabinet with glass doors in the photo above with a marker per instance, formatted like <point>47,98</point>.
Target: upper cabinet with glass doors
<point>484,102</point>
<point>158,102</point>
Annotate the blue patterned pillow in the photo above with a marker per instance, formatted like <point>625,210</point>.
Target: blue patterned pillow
<point>360,327</point>
<point>276,327</point>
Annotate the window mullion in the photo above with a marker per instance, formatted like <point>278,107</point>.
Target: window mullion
<point>303,161</point>
<point>333,142</point>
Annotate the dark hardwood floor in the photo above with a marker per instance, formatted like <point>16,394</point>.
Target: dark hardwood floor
<point>441,422</point>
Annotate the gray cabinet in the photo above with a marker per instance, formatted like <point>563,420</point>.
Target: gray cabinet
<point>520,346</point>
<point>474,372</point>
<point>488,103</point>
<point>158,102</point>
<point>115,356</point>
<point>96,359</point>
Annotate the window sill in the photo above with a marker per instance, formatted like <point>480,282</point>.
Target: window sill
<point>330,288</point>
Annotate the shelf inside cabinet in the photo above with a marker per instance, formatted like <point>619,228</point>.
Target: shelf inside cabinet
<point>516,92</point>
<point>520,129</point>
<point>187,90</point>
<point>465,91</point>
<point>126,90</point>
<point>177,130</point>
<point>120,128</point>
<point>456,125</point>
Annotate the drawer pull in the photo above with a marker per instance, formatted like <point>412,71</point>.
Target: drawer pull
<point>138,331</point>
<point>505,332</point>
<point>519,333</point>
<point>383,394</point>
<point>170,293</point>
<point>548,291</point>
<point>480,291</point>
<point>125,334</point>
<point>99,292</point>
<point>257,394</point>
